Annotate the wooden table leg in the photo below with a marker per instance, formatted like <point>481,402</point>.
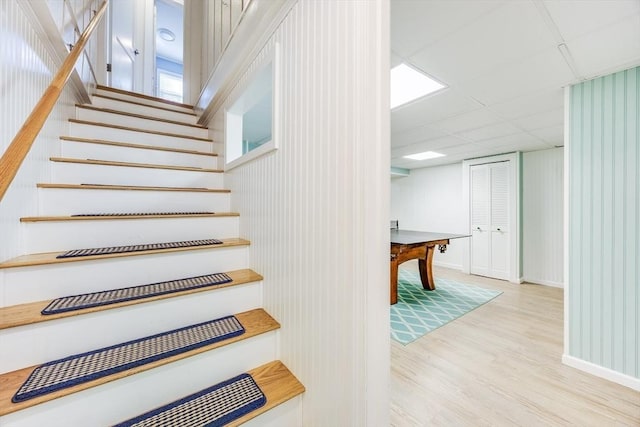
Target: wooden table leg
<point>426,269</point>
<point>394,280</point>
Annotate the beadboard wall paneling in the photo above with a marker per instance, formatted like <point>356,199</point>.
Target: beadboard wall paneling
<point>316,210</point>
<point>26,69</point>
<point>542,217</point>
<point>604,223</point>
<point>430,199</point>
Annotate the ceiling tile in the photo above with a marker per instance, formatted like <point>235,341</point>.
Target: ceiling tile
<point>541,120</point>
<point>525,145</point>
<point>446,103</point>
<point>467,121</point>
<point>395,60</point>
<point>529,104</point>
<point>420,133</point>
<point>416,24</point>
<point>489,132</point>
<point>609,49</point>
<point>509,33</point>
<point>440,145</point>
<point>546,70</point>
<point>553,135</point>
<point>501,142</point>
<point>575,18</point>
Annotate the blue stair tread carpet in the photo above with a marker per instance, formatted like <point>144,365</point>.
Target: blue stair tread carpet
<point>138,248</point>
<point>212,407</point>
<point>82,301</point>
<point>81,368</point>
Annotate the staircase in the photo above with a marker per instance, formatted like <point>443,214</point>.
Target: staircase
<point>133,171</point>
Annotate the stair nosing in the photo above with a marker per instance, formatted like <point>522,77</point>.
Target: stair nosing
<point>153,132</point>
<point>139,116</point>
<point>132,165</point>
<point>13,380</point>
<point>49,258</point>
<point>264,378</point>
<point>13,316</point>
<point>137,146</point>
<point>129,188</point>
<point>64,218</point>
<point>143,96</point>
<point>111,98</point>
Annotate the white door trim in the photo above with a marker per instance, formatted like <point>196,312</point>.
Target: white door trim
<point>515,273</point>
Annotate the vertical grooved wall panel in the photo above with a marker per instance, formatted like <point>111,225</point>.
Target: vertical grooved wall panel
<point>542,222</point>
<point>26,70</point>
<point>316,210</point>
<point>604,222</point>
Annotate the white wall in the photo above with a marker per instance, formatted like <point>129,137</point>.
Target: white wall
<point>430,199</point>
<point>316,210</point>
<point>542,217</point>
<point>26,69</point>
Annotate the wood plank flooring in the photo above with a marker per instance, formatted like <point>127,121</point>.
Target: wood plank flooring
<point>500,365</point>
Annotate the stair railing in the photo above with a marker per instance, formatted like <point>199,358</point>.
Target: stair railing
<point>22,142</point>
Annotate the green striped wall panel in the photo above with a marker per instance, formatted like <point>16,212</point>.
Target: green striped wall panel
<point>604,222</point>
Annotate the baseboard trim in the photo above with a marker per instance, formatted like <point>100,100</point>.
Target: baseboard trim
<point>447,265</point>
<point>544,282</point>
<point>602,372</point>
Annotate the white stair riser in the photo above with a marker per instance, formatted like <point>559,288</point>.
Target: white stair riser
<point>79,173</point>
<point>287,414</point>
<point>126,97</point>
<point>45,282</point>
<point>48,341</point>
<point>126,398</point>
<point>54,201</point>
<point>128,107</point>
<point>83,150</point>
<point>139,123</point>
<point>81,130</point>
<point>52,236</point>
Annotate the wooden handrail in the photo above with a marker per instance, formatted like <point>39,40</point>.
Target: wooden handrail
<point>22,142</point>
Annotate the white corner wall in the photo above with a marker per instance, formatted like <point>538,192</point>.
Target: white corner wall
<point>316,209</point>
<point>542,217</point>
<point>430,199</point>
<point>26,70</point>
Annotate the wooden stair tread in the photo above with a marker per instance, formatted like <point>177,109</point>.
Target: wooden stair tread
<point>130,187</point>
<point>154,132</point>
<point>255,322</point>
<point>140,146</point>
<point>119,217</point>
<point>138,116</point>
<point>278,385</point>
<point>143,96</point>
<point>96,95</point>
<point>132,165</point>
<point>30,313</point>
<point>50,257</point>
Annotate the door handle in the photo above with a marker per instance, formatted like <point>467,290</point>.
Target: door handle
<point>478,228</point>
<point>498,229</point>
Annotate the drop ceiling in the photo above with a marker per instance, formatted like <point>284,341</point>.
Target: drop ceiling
<point>506,63</point>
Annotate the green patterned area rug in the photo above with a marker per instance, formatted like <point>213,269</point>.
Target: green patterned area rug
<point>419,312</point>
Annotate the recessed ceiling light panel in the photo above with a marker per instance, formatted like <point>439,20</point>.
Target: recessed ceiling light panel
<point>166,35</point>
<point>424,156</point>
<point>408,84</point>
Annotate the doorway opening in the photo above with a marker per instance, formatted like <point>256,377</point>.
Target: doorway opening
<point>169,37</point>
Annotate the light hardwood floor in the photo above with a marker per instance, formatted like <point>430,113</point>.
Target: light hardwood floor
<point>500,365</point>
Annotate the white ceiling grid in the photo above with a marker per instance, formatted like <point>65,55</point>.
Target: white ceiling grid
<point>504,68</point>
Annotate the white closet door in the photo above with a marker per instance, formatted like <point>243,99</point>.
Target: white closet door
<point>480,220</point>
<point>500,227</point>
